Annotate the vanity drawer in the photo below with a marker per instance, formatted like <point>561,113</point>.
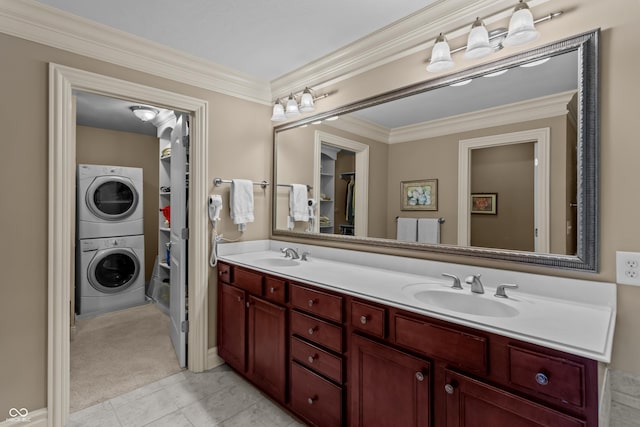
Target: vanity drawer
<point>553,376</point>
<point>368,318</point>
<point>317,359</point>
<point>461,349</point>
<point>315,398</point>
<point>324,305</point>
<point>224,272</point>
<point>248,280</point>
<point>275,290</point>
<point>317,330</point>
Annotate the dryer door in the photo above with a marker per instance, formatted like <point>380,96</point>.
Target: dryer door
<point>113,270</point>
<point>112,198</point>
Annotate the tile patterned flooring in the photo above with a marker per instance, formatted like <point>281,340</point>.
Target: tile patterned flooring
<point>218,397</point>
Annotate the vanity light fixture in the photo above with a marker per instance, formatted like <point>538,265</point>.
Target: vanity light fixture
<point>481,42</point>
<point>144,113</point>
<point>535,63</point>
<point>461,83</point>
<point>292,108</point>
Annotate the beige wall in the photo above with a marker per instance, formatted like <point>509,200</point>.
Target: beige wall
<point>109,147</point>
<point>238,130</point>
<point>507,171</point>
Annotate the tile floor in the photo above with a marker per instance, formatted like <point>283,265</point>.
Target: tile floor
<point>218,397</point>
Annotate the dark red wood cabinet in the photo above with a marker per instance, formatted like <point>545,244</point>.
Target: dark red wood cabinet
<point>336,360</point>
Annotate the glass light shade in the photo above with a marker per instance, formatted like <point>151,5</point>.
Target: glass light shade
<point>144,113</point>
<point>440,56</point>
<point>306,101</point>
<point>292,107</point>
<point>478,45</point>
<point>521,26</point>
<point>278,112</point>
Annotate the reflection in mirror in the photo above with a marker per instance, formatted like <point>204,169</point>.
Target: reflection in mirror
<point>521,132</point>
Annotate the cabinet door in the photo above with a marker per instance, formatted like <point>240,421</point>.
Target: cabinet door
<point>232,324</point>
<point>470,403</point>
<point>266,346</point>
<point>387,387</point>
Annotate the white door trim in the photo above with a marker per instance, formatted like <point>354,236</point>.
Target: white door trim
<point>361,211</point>
<point>61,231</point>
<point>542,138</point>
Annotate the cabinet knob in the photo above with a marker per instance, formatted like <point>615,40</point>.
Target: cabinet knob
<point>311,302</point>
<point>312,358</point>
<point>363,319</point>
<point>248,304</point>
<point>312,330</point>
<point>542,378</point>
<point>450,388</point>
<point>272,290</point>
<point>239,299</point>
<point>312,399</point>
<point>419,376</point>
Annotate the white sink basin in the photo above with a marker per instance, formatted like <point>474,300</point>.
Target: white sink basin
<point>465,302</point>
<point>277,262</point>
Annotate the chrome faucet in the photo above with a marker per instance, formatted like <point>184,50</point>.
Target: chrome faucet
<point>476,284</point>
<point>290,253</point>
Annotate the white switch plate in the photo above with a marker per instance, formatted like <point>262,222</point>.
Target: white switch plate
<point>628,268</point>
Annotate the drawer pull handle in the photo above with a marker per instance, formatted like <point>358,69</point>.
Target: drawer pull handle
<point>312,358</point>
<point>363,319</point>
<point>312,399</point>
<point>450,388</point>
<point>542,378</point>
<point>272,290</point>
<point>311,302</point>
<point>312,330</point>
<point>419,376</point>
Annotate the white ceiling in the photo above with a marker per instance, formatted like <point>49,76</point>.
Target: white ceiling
<point>263,38</point>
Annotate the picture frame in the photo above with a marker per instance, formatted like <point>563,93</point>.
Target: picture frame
<point>419,195</point>
<point>484,203</point>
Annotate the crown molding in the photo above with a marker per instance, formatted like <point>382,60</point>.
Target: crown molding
<point>410,35</point>
<point>36,22</point>
<point>540,108</point>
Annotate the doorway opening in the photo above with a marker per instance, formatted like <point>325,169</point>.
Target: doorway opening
<point>63,81</point>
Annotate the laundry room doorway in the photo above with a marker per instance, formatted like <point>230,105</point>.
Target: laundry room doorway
<point>64,81</point>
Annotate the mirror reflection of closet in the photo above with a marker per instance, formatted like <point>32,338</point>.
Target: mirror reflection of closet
<point>337,190</point>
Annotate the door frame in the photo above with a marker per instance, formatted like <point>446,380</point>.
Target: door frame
<point>361,210</point>
<point>63,81</point>
<point>542,139</point>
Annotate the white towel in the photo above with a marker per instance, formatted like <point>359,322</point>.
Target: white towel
<point>407,229</point>
<point>428,230</point>
<point>298,206</point>
<point>241,202</point>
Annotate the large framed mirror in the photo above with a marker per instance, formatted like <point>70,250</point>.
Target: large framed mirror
<point>498,161</point>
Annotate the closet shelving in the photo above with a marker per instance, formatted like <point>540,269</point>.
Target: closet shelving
<point>328,155</point>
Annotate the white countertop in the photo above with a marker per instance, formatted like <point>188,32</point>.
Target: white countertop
<point>570,315</point>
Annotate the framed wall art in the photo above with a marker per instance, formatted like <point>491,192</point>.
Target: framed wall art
<point>484,203</point>
<point>421,195</point>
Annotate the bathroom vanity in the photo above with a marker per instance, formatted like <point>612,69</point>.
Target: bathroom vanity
<point>338,341</point>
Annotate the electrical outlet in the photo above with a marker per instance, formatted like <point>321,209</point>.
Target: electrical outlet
<point>628,268</point>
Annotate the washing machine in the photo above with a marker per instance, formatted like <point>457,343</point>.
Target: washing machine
<point>109,274</point>
<point>109,201</point>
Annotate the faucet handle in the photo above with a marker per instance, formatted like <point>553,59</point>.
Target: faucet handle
<point>286,252</point>
<point>500,293</point>
<point>456,280</point>
<point>304,255</point>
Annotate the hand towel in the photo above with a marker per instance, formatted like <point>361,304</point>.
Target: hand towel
<point>428,230</point>
<point>241,202</point>
<point>407,229</point>
<point>298,206</point>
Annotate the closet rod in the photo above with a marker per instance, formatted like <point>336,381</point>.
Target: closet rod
<point>219,181</point>
<point>309,187</point>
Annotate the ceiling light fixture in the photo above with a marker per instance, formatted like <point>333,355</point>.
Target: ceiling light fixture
<point>481,42</point>
<point>291,107</point>
<point>144,113</point>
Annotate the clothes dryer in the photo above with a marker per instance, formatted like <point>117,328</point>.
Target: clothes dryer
<point>109,201</point>
<point>109,274</point>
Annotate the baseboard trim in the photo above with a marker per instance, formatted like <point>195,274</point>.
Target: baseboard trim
<point>213,359</point>
<point>604,404</point>
<point>37,418</point>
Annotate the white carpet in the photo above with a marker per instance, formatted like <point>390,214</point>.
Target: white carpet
<point>117,352</point>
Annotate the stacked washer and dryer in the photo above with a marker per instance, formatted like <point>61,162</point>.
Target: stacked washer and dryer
<point>110,239</point>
